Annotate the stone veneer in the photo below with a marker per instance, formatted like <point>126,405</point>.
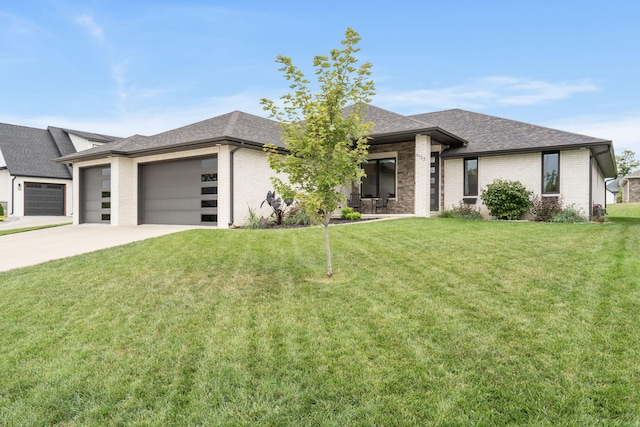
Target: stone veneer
<point>632,190</point>
<point>404,201</point>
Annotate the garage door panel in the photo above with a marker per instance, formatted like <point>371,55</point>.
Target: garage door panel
<point>172,192</point>
<point>172,205</point>
<point>96,192</point>
<point>43,199</point>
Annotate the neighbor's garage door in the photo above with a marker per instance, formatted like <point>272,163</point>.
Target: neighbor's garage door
<point>180,192</point>
<point>41,199</point>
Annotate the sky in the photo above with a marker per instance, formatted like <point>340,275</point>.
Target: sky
<point>143,67</point>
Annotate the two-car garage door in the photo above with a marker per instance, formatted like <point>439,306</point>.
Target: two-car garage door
<point>179,192</point>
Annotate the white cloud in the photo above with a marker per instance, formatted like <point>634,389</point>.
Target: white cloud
<point>147,122</point>
<point>88,23</point>
<point>622,129</point>
<point>486,92</point>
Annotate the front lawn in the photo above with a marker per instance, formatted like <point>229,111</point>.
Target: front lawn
<point>4,232</point>
<point>425,322</point>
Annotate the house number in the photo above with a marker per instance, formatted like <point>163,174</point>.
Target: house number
<point>421,157</point>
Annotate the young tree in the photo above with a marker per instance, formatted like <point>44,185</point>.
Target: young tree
<point>626,162</point>
<point>326,143</point>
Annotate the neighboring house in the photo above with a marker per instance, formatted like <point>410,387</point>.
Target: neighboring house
<point>630,187</point>
<point>31,182</point>
<point>212,172</point>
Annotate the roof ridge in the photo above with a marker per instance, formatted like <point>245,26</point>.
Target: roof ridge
<point>518,122</point>
<point>231,124</point>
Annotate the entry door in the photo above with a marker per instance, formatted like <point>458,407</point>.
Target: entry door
<point>435,181</point>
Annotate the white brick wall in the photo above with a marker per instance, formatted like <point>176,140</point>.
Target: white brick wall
<point>124,191</point>
<point>252,181</point>
<point>574,179</point>
<point>526,168</point>
<point>598,182</point>
<point>422,181</point>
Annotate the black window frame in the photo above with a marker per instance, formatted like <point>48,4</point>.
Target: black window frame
<point>543,181</point>
<point>466,191</point>
<point>377,184</point>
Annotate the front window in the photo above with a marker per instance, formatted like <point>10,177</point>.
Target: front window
<point>550,173</point>
<point>471,177</point>
<point>381,178</point>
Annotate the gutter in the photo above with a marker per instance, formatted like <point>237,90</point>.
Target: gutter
<point>606,181</point>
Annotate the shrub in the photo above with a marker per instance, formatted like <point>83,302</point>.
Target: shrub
<point>570,214</point>
<point>506,199</point>
<point>350,215</point>
<point>448,214</point>
<point>463,210</point>
<point>254,221</point>
<point>1,210</point>
<point>297,216</point>
<point>544,208</point>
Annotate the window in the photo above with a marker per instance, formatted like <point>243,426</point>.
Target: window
<point>209,218</point>
<point>471,177</point>
<point>381,178</point>
<point>209,203</point>
<point>550,173</point>
<point>210,163</point>
<point>209,190</point>
<point>208,177</point>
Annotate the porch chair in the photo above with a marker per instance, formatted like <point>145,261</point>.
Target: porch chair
<point>381,204</point>
<point>354,201</point>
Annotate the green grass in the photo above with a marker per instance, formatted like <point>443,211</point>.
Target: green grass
<point>25,229</point>
<point>425,322</point>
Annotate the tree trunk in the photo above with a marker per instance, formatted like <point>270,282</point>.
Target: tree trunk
<point>327,218</point>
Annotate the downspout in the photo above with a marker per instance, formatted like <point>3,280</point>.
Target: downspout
<point>13,190</point>
<point>606,181</point>
<point>231,184</point>
<point>591,156</point>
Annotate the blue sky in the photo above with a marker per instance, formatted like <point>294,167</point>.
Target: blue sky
<point>125,67</point>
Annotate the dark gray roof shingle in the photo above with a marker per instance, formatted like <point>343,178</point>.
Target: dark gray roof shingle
<point>30,152</point>
<point>464,132</point>
<point>232,127</point>
<point>486,134</point>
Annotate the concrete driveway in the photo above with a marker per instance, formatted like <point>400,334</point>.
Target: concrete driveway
<point>34,247</point>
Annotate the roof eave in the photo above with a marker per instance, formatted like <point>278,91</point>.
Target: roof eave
<point>607,164</point>
<point>191,145</point>
<point>434,132</point>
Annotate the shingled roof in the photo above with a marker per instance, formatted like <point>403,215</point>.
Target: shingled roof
<point>488,134</point>
<point>234,128</point>
<point>30,152</point>
<point>464,133</point>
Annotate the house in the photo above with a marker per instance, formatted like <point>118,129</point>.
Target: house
<point>212,172</point>
<point>31,182</point>
<point>630,187</point>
